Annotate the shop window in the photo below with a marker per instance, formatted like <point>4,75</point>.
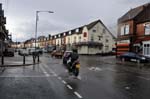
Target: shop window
<point>146,49</point>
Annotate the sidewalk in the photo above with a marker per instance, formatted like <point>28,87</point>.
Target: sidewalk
<point>17,60</point>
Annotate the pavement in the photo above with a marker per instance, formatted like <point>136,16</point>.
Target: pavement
<point>100,78</point>
<point>17,60</point>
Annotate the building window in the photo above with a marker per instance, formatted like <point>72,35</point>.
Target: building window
<point>64,34</point>
<point>147,29</point>
<point>107,40</point>
<point>79,38</point>
<point>77,30</point>
<point>75,39</point>
<point>122,30</point>
<point>84,34</point>
<point>92,37</point>
<point>70,32</point>
<point>125,29</point>
<point>99,37</point>
<point>146,49</point>
<point>94,30</point>
<point>104,30</point>
<point>69,40</point>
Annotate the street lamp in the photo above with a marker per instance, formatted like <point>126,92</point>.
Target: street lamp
<point>34,56</point>
<point>37,22</point>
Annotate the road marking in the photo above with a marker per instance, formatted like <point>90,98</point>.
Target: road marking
<point>64,82</point>
<point>47,75</point>
<point>78,95</point>
<point>59,78</point>
<point>69,87</point>
<point>110,69</point>
<point>44,71</point>
<point>55,75</point>
<point>143,78</point>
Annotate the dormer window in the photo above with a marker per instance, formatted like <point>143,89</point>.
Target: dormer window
<point>77,30</point>
<point>69,32</point>
<point>64,34</point>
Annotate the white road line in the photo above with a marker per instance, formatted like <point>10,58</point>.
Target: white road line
<point>78,95</point>
<point>69,87</point>
<point>44,71</point>
<point>143,78</point>
<point>47,75</point>
<point>55,75</point>
<point>64,82</point>
<point>59,78</point>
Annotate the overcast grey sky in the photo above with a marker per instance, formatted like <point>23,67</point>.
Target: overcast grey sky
<point>67,14</point>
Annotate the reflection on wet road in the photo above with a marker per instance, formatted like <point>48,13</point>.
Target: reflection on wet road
<point>100,78</point>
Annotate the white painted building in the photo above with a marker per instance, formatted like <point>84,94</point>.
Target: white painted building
<point>96,39</point>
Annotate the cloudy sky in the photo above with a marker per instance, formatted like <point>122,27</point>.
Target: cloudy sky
<point>67,14</point>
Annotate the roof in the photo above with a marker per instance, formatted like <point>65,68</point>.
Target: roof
<point>132,13</point>
<point>92,24</point>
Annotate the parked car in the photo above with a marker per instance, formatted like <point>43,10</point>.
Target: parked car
<point>23,52</point>
<point>130,56</point>
<point>65,56</point>
<point>9,52</point>
<point>57,54</point>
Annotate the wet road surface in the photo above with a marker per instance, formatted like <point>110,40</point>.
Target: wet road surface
<point>100,78</point>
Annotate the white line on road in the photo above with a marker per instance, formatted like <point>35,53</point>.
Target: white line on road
<point>44,71</point>
<point>64,82</point>
<point>78,95</point>
<point>59,78</point>
<point>47,75</point>
<point>143,78</point>
<point>55,75</point>
<point>69,87</point>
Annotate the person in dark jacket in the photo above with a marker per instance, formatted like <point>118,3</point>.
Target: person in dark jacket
<point>74,56</point>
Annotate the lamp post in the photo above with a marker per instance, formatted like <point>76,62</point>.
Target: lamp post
<point>37,23</point>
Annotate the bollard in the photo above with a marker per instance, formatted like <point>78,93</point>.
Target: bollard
<point>33,59</point>
<point>38,58</point>
<point>2,60</point>
<point>24,59</point>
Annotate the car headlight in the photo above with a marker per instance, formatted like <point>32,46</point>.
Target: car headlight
<point>143,58</point>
